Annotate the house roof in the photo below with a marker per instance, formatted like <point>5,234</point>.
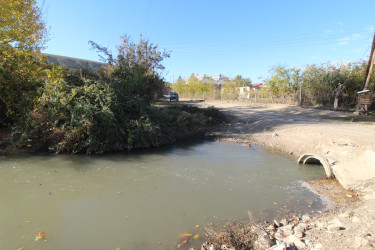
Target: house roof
<point>258,85</point>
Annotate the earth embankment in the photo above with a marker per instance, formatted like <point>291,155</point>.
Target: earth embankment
<point>297,130</point>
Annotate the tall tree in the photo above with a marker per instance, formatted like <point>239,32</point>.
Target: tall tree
<point>239,81</point>
<point>22,25</point>
<point>283,80</point>
<point>23,33</point>
<point>180,85</point>
<point>136,68</point>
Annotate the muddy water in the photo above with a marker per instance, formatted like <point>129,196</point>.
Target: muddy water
<point>144,200</point>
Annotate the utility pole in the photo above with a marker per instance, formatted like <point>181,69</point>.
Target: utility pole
<point>364,96</point>
<point>369,66</point>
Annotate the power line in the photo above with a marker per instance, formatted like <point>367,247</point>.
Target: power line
<point>364,53</point>
<point>320,39</point>
<point>272,40</point>
<point>208,50</point>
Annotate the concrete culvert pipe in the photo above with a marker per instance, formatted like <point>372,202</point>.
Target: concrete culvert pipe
<point>316,159</point>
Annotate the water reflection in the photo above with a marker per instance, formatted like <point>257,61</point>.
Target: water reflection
<point>143,200</point>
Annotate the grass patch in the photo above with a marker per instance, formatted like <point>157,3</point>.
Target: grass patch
<point>369,118</point>
<point>166,103</point>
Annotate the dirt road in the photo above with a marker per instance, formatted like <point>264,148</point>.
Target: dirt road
<point>296,130</point>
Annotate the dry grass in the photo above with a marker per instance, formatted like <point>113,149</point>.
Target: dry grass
<point>238,235</point>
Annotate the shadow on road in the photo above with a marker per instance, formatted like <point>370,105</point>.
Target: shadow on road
<point>255,118</point>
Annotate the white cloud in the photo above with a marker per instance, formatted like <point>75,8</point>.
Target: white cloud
<point>354,37</point>
<point>329,31</point>
<point>370,29</point>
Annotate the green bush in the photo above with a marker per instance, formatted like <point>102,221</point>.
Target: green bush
<point>95,117</point>
<point>96,112</point>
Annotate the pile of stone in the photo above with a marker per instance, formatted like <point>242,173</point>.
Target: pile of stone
<point>289,233</point>
<point>286,234</point>
<point>351,227</point>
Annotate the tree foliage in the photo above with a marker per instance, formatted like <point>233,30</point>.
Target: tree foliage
<point>96,112</point>
<point>135,68</point>
<point>92,116</point>
<point>21,74</point>
<point>318,82</point>
<point>180,85</point>
<point>21,25</point>
<point>22,34</point>
<point>207,88</point>
<point>239,81</point>
<point>284,80</point>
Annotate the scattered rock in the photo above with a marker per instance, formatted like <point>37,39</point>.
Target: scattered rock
<point>263,240</point>
<point>284,222</point>
<point>271,228</point>
<point>351,144</point>
<point>276,224</point>
<point>306,218</point>
<point>301,227</point>
<point>279,236</point>
<point>287,230</point>
<point>224,247</point>
<point>281,246</point>
<point>298,235</point>
<point>209,246</point>
<point>297,242</point>
<point>335,225</point>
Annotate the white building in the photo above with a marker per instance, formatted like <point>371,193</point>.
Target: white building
<point>244,92</point>
<point>218,79</point>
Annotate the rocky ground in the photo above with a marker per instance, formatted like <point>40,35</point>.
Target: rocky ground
<point>337,136</point>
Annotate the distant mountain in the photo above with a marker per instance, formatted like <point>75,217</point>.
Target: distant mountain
<point>74,63</point>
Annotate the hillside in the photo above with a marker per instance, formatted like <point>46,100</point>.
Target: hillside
<point>74,63</point>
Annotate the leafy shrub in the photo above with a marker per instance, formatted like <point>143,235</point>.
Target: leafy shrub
<point>214,116</point>
<point>96,112</point>
<point>94,117</point>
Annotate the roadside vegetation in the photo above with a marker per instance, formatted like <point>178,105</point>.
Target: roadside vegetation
<point>50,108</point>
<point>193,88</point>
<point>312,85</point>
<point>350,117</point>
<point>317,84</point>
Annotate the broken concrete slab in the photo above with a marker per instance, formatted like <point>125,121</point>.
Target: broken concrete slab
<point>356,173</point>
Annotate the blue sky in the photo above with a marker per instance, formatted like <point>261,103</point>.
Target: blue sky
<point>224,36</point>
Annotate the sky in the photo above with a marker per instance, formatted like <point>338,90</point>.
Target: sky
<point>230,37</point>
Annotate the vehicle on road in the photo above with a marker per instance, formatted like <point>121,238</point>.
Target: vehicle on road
<point>173,96</point>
